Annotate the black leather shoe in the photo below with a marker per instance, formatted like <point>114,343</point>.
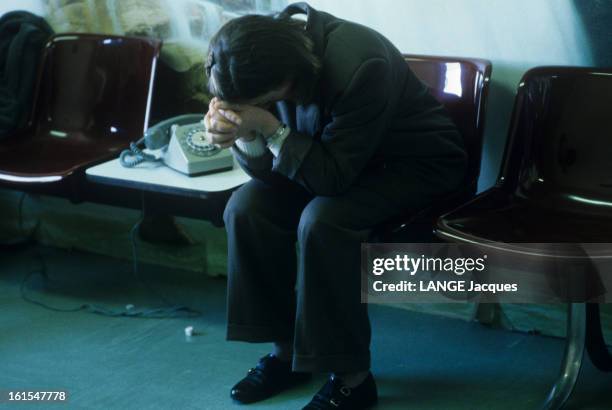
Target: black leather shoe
<point>334,395</point>
<point>270,377</point>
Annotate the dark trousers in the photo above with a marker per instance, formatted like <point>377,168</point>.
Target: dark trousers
<point>311,297</point>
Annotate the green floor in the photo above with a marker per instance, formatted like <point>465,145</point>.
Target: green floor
<point>420,361</point>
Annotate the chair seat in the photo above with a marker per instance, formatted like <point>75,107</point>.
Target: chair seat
<point>43,156</point>
<point>92,98</point>
<point>495,216</point>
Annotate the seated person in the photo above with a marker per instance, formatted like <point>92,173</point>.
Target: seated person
<point>339,135</point>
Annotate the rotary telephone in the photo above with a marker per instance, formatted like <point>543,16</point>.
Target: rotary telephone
<point>180,143</point>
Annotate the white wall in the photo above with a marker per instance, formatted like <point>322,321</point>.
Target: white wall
<point>514,34</point>
<point>33,6</point>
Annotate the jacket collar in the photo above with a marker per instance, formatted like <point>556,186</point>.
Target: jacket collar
<point>314,23</point>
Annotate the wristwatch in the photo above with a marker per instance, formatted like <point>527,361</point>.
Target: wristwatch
<point>279,135</point>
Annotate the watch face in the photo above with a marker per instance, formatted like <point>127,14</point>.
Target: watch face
<point>277,134</point>
<point>196,141</point>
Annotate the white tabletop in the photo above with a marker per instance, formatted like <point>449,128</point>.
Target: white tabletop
<point>158,177</point>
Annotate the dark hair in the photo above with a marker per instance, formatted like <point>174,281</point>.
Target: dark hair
<point>253,54</point>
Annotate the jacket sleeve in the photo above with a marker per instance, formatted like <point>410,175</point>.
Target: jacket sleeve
<point>360,116</point>
<point>258,167</point>
<point>255,165</point>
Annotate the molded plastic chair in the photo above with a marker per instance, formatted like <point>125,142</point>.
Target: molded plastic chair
<point>555,186</point>
<point>92,99</point>
<point>461,85</point>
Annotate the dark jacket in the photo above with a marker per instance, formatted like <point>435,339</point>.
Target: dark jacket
<point>369,111</point>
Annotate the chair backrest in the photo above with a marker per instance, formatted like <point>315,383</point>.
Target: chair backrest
<point>95,86</point>
<point>461,85</point>
<point>559,147</point>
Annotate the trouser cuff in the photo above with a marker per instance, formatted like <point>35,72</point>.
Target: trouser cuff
<point>258,334</point>
<point>329,364</point>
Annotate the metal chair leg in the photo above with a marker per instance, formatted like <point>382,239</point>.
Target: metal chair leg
<point>572,358</point>
<point>490,314</point>
<point>595,343</point>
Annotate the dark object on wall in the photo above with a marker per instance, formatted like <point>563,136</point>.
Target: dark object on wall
<point>596,16</point>
<point>92,99</point>
<point>555,187</point>
<point>22,38</point>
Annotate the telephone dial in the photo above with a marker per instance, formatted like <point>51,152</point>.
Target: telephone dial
<point>180,143</point>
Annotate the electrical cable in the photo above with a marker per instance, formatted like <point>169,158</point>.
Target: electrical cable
<point>133,156</point>
<point>171,310</point>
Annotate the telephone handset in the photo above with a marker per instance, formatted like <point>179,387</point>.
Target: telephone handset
<point>180,143</point>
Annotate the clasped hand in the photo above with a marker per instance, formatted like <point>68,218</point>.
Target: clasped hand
<point>226,122</point>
